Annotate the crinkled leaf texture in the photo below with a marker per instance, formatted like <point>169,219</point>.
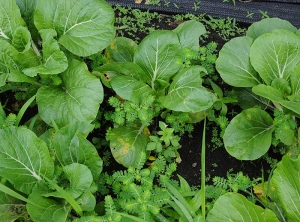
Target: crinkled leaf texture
<point>186,93</point>
<point>286,181</point>
<point>235,207</point>
<point>84,27</point>
<point>71,146</point>
<point>78,99</point>
<point>126,143</point>
<point>24,158</point>
<point>248,136</point>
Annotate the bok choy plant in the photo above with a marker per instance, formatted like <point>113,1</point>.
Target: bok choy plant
<point>48,176</point>
<point>264,66</point>
<point>153,73</point>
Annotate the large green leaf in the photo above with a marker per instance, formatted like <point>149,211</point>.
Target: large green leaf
<point>268,25</point>
<point>78,99</point>
<point>80,178</point>
<point>159,56</point>
<point>49,210</point>
<point>71,146</point>
<point>274,55</point>
<point>234,65</point>
<point>126,143</point>
<point>10,208</point>
<point>54,60</point>
<point>24,158</point>
<point>10,19</point>
<point>186,93</point>
<point>236,208</point>
<point>248,135</point>
<point>189,33</point>
<point>84,27</point>
<point>286,182</point>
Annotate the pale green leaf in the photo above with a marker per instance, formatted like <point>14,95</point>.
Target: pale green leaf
<point>274,55</point>
<point>236,208</point>
<point>10,19</point>
<point>49,210</point>
<point>286,182</point>
<point>126,143</point>
<point>248,135</point>
<point>78,99</point>
<point>267,25</point>
<point>186,93</point>
<point>159,56</point>
<point>234,65</point>
<point>71,146</point>
<point>54,60</point>
<point>24,158</point>
<point>84,27</point>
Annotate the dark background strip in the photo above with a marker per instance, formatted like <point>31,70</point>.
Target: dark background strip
<point>246,12</point>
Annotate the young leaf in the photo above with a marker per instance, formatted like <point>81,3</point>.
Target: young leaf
<point>71,146</point>
<point>235,207</point>
<point>248,136</point>
<point>267,25</point>
<point>126,143</point>
<point>84,27</point>
<point>274,55</point>
<point>21,39</point>
<point>286,182</point>
<point>13,62</point>
<point>54,60</point>
<point>276,96</point>
<point>78,100</point>
<point>24,158</point>
<point>159,56</point>
<point>80,178</point>
<point>186,93</point>
<point>234,65</point>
